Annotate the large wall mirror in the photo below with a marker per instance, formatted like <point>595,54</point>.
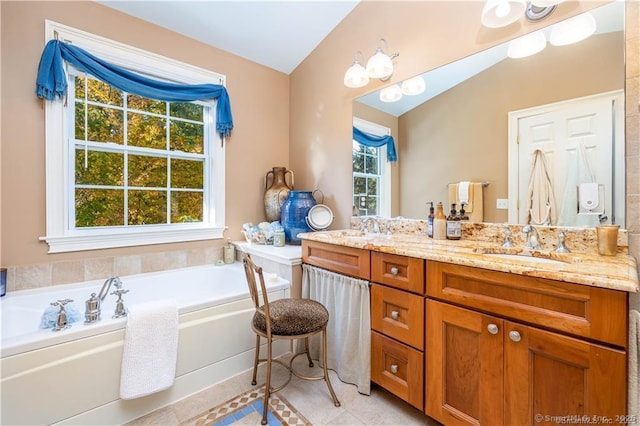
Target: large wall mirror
<point>481,119</point>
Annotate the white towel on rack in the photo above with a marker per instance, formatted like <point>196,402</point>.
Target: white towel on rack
<point>150,349</point>
<point>463,192</point>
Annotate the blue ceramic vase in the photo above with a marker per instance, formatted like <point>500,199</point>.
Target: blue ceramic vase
<point>294,213</point>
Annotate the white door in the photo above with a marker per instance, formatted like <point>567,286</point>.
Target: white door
<point>583,142</point>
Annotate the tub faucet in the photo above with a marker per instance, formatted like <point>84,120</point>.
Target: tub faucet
<point>532,238</point>
<point>92,305</point>
<point>107,285</point>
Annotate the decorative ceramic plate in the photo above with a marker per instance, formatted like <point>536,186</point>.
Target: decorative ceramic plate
<point>319,217</point>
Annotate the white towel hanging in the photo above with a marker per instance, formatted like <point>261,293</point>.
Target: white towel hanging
<point>463,192</point>
<point>150,349</point>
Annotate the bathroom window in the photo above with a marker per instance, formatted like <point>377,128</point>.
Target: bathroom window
<point>370,181</point>
<point>124,170</point>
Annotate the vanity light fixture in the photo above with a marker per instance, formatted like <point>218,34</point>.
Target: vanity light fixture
<point>572,30</point>
<point>527,45</point>
<point>356,76</point>
<point>413,86</point>
<point>392,93</point>
<point>500,13</point>
<point>380,66</point>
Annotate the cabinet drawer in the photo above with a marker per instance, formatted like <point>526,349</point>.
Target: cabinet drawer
<point>580,310</point>
<point>405,273</point>
<point>398,314</point>
<point>344,260</point>
<point>398,368</point>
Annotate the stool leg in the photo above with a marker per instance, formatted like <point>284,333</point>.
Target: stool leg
<point>324,367</point>
<point>255,361</point>
<point>306,348</point>
<point>267,386</point>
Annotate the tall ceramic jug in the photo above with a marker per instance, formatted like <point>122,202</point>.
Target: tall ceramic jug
<point>294,215</point>
<point>277,192</point>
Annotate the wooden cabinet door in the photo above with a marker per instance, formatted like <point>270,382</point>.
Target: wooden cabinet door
<point>464,366</point>
<point>550,377</point>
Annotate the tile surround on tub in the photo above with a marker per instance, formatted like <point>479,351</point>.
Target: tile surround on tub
<point>66,272</point>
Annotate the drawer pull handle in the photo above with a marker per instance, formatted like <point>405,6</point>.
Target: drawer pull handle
<point>492,328</point>
<point>395,315</point>
<point>394,271</point>
<point>394,368</point>
<point>514,336</point>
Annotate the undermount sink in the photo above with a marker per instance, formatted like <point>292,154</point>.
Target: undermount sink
<point>529,256</point>
<point>526,258</point>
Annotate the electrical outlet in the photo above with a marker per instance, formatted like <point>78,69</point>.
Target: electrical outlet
<point>502,203</point>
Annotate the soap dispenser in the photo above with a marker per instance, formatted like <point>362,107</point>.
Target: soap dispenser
<point>463,213</point>
<point>430,220</point>
<point>439,224</point>
<point>454,229</point>
<point>229,252</point>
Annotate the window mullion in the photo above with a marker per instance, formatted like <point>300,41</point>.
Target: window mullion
<point>169,157</point>
<point>125,173</point>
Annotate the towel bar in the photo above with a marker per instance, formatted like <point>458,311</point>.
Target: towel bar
<point>484,184</point>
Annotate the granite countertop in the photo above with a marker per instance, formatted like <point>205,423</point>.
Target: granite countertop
<point>613,272</point>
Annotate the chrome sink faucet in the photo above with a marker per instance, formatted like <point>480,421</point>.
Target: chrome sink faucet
<point>507,236</point>
<point>376,226</point>
<point>531,242</point>
<point>562,247</point>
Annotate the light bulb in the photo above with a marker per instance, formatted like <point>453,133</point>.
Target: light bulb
<point>503,9</point>
<point>391,93</point>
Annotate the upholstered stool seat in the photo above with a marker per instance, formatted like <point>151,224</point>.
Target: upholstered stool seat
<point>284,319</point>
<point>291,317</point>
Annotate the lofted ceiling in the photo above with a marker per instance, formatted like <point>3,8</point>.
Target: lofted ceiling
<point>276,34</point>
<point>280,34</point>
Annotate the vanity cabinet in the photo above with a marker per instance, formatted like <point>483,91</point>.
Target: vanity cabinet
<point>344,260</point>
<point>397,323</point>
<point>510,349</point>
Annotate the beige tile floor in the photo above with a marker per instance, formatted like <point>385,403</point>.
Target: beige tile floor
<point>311,399</point>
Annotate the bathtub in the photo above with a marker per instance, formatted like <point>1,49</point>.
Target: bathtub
<point>73,375</point>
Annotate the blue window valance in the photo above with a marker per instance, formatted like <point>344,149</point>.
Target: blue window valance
<point>367,139</point>
<point>51,81</point>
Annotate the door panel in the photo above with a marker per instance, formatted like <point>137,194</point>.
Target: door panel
<point>464,366</point>
<point>549,377</point>
<point>558,130</point>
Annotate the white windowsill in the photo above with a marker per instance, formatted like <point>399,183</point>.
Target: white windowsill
<point>118,238</point>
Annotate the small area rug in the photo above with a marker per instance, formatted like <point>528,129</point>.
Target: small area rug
<point>246,409</point>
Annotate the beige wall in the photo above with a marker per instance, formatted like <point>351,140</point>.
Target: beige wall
<point>427,34</point>
<point>259,100</point>
<point>312,105</point>
<point>462,134</point>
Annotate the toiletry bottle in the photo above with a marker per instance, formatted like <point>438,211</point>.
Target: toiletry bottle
<point>453,224</point>
<point>278,237</point>
<point>463,213</point>
<point>439,224</point>
<point>430,220</point>
<point>229,252</point>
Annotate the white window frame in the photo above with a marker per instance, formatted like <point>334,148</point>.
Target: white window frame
<point>61,237</point>
<point>384,208</point>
